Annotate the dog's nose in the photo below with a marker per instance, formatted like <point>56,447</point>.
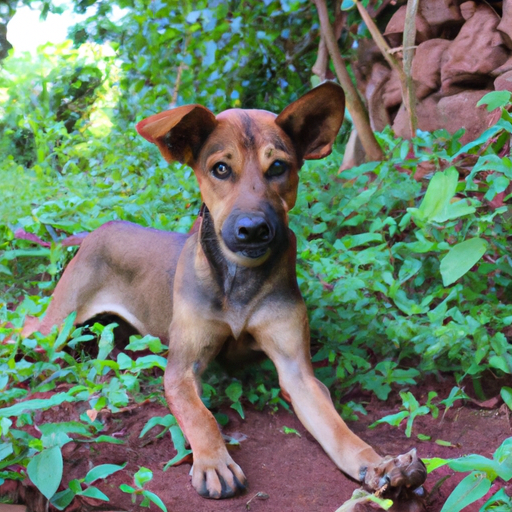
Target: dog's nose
<point>252,230</point>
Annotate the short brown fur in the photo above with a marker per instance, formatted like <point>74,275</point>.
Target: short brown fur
<point>203,296</point>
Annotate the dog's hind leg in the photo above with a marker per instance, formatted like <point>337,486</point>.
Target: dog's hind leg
<point>63,303</point>
<point>85,288</point>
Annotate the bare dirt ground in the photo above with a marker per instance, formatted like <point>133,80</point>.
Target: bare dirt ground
<point>291,473</point>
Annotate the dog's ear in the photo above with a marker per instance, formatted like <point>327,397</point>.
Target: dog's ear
<point>179,133</point>
<point>314,120</point>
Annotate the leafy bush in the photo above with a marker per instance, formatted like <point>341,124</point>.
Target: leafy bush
<point>400,281</point>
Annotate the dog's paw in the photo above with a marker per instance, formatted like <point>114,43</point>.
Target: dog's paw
<point>218,479</point>
<point>395,475</point>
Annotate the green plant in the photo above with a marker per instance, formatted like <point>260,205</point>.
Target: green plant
<point>140,479</point>
<point>376,251</point>
<point>62,499</point>
<point>477,484</point>
<point>412,409</point>
<point>178,439</point>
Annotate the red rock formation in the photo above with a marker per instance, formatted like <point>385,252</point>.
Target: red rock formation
<point>464,51</point>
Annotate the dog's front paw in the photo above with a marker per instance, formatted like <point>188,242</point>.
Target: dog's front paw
<point>394,475</point>
<point>217,479</point>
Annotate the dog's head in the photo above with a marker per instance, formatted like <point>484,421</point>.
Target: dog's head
<point>247,163</point>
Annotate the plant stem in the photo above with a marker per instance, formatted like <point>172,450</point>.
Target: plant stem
<point>404,72</point>
<point>354,104</point>
<point>408,52</point>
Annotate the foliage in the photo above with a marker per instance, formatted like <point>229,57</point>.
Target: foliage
<point>400,281</point>
<point>412,409</point>
<point>220,54</point>
<point>361,496</point>
<point>140,479</point>
<point>478,483</point>
<point>62,499</point>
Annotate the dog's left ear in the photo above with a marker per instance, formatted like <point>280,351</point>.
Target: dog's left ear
<point>179,133</point>
<point>314,120</point>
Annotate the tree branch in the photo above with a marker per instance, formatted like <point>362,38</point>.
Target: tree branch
<point>408,44</point>
<point>354,104</point>
<point>404,72</point>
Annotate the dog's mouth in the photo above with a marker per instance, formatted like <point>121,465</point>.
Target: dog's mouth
<point>253,253</point>
<point>246,256</point>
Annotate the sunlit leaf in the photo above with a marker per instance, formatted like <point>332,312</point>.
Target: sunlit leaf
<point>461,258</point>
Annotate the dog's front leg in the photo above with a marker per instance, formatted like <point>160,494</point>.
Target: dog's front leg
<point>191,347</point>
<point>284,336</point>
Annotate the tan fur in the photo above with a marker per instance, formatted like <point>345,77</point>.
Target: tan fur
<point>201,295</point>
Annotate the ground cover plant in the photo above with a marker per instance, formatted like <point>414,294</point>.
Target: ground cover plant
<point>406,281</point>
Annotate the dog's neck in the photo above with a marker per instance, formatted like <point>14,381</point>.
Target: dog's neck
<point>238,284</point>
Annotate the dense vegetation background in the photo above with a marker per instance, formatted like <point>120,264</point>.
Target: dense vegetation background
<point>392,296</point>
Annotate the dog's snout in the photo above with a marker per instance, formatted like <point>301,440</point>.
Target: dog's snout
<point>251,234</point>
<point>252,230</point>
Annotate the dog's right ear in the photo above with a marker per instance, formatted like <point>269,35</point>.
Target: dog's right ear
<point>179,133</point>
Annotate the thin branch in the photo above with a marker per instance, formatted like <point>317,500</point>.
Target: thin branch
<point>322,60</point>
<point>404,72</point>
<point>321,66</point>
<point>381,43</point>
<point>354,104</point>
<point>408,44</point>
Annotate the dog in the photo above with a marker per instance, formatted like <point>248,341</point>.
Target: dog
<point>229,285</point>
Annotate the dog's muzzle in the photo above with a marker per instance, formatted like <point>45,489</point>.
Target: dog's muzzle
<point>248,234</point>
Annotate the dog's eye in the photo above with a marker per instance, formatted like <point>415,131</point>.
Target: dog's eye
<point>277,168</point>
<point>221,171</point>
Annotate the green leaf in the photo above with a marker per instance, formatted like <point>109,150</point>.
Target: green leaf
<point>392,419</point>
<point>500,498</point>
<point>55,439</point>
<point>6,449</point>
<point>487,135</point>
<point>469,490</point>
<point>65,332</point>
<point>147,342</point>
<point>503,456</point>
<point>434,463</point>
<point>45,471</point>
<point>106,342</point>
<point>37,403</point>
<point>155,499</point>
<point>461,258</point>
<point>62,499</point>
<point>476,462</point>
<point>105,439</point>
<point>499,362</point>
<point>495,99</point>
<point>237,406</point>
<point>102,471</point>
<point>178,440</point>
<point>441,442</point>
<point>234,391</point>
<point>94,492</point>
<point>288,430</point>
<point>142,476</point>
<point>163,421</point>
<point>506,394</point>
<point>127,488</point>
<point>435,206</point>
<point>68,427</point>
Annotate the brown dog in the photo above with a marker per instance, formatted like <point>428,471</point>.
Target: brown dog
<point>232,284</point>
